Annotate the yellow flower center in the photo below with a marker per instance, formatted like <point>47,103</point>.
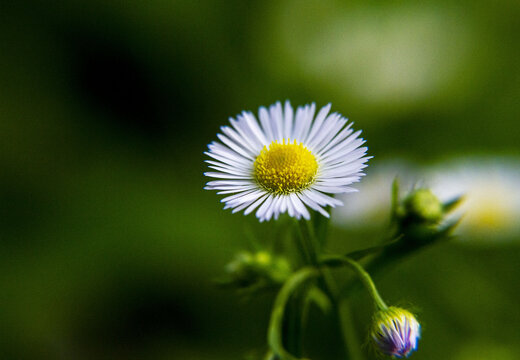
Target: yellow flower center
<point>284,168</point>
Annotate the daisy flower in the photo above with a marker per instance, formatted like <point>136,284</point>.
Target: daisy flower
<point>286,162</point>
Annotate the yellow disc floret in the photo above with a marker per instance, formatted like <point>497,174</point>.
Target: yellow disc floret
<point>284,168</point>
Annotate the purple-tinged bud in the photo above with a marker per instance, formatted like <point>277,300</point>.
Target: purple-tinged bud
<point>395,332</point>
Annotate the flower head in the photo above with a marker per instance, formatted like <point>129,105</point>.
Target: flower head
<point>395,332</point>
<point>251,272</point>
<point>423,206</point>
<point>286,162</point>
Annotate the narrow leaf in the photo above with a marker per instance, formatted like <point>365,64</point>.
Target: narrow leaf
<point>395,199</point>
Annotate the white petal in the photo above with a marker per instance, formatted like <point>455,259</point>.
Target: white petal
<point>312,204</point>
<point>352,156</point>
<point>230,170</point>
<point>344,163</point>
<point>245,198</point>
<point>236,148</point>
<point>318,122</point>
<point>262,209</point>
<point>343,144</point>
<point>337,181</point>
<point>343,169</point>
<point>288,120</point>
<point>244,205</point>
<point>298,124</point>
<point>226,152</point>
<point>342,150</point>
<point>343,134</point>
<point>225,176</point>
<point>272,208</point>
<point>266,124</point>
<point>229,161</point>
<point>276,117</point>
<point>233,190</point>
<point>255,204</point>
<point>245,125</point>
<point>309,116</point>
<point>290,206</point>
<point>323,199</point>
<point>330,130</point>
<point>229,164</point>
<point>299,207</point>
<point>228,188</point>
<point>236,196</point>
<point>333,189</point>
<point>244,140</point>
<point>283,204</point>
<point>229,182</point>
<point>254,127</point>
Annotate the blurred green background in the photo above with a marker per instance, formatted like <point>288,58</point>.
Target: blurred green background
<point>108,244</point>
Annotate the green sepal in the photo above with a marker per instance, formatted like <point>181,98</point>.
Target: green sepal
<point>450,205</point>
<point>395,210</point>
<point>446,229</point>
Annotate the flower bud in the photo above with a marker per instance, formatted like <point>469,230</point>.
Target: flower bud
<point>423,206</point>
<point>240,269</point>
<point>395,332</point>
<point>261,268</point>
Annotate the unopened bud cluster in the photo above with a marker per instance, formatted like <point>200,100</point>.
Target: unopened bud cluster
<point>420,206</point>
<point>261,268</point>
<point>421,217</point>
<point>424,207</point>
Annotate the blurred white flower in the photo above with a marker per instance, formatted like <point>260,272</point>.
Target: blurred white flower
<point>492,198</point>
<point>490,187</point>
<point>371,205</point>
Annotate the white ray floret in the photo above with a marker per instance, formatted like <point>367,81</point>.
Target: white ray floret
<point>286,161</point>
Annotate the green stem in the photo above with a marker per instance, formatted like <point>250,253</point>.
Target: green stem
<point>348,330</point>
<point>341,307</point>
<point>293,333</point>
<point>363,276</point>
<point>302,249</point>
<point>308,241</point>
<point>296,307</point>
<point>275,333</point>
